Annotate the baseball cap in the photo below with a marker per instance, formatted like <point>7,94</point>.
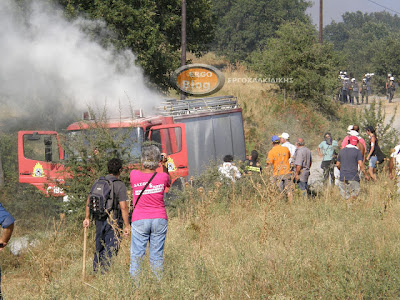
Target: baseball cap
<point>275,138</point>
<point>350,128</point>
<point>285,135</point>
<point>353,133</point>
<point>353,140</point>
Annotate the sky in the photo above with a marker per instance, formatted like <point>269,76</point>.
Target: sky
<point>333,9</point>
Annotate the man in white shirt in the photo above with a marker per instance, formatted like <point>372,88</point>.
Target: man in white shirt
<point>285,143</point>
<point>228,170</point>
<point>394,166</point>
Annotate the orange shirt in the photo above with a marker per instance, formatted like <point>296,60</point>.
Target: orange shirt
<point>278,157</point>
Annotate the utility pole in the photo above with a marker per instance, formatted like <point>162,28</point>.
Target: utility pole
<point>321,22</point>
<point>183,39</point>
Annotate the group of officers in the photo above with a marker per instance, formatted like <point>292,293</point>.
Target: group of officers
<point>350,90</point>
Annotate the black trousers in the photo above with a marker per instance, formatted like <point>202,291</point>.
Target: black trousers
<point>107,245</point>
<point>328,168</point>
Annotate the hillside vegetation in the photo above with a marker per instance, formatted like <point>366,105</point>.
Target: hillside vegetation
<point>226,242</point>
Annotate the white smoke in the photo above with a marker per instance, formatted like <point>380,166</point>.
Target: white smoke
<point>48,62</point>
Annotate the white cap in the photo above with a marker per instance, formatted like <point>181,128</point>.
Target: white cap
<point>364,79</point>
<point>350,128</point>
<point>353,79</point>
<point>389,75</point>
<point>392,78</point>
<point>353,133</point>
<point>285,135</point>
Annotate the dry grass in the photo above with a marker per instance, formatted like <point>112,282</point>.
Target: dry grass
<point>250,244</point>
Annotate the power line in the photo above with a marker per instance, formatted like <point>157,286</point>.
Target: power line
<point>384,7</point>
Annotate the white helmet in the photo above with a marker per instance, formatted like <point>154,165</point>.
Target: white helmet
<point>345,73</point>
<point>353,80</point>
<point>389,75</point>
<point>365,79</point>
<point>392,78</point>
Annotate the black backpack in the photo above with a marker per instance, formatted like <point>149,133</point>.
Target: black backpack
<point>102,199</point>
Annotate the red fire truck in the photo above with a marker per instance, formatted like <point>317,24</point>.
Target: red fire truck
<point>193,133</point>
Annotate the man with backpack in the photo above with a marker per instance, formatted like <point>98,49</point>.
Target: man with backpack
<point>107,205</point>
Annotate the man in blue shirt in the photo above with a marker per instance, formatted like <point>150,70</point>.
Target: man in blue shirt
<point>327,149</point>
<point>7,222</point>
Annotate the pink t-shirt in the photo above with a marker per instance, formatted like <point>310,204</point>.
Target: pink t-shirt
<point>151,203</point>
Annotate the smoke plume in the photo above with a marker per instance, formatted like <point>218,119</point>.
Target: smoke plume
<point>51,69</point>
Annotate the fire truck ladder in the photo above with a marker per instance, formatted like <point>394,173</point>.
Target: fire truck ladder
<point>188,106</point>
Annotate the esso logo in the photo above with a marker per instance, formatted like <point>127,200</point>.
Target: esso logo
<point>198,79</point>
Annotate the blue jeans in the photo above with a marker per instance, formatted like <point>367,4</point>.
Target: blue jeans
<point>153,231</point>
<point>372,161</point>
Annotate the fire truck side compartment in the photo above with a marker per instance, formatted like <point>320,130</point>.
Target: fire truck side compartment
<point>210,137</point>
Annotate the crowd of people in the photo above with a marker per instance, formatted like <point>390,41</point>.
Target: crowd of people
<point>350,90</point>
<point>343,162</point>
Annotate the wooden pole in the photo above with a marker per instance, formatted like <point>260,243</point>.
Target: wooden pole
<point>183,39</point>
<point>84,253</point>
<point>321,22</point>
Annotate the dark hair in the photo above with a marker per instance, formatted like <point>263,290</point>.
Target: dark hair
<point>356,126</point>
<point>327,133</point>
<point>228,158</point>
<point>254,155</point>
<point>370,129</point>
<point>114,166</point>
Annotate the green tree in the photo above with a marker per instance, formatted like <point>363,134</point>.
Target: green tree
<point>308,68</point>
<point>367,42</point>
<point>87,152</point>
<point>151,29</point>
<point>386,59</point>
<point>245,25</point>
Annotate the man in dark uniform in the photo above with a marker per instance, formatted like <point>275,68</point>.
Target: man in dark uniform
<point>107,237</point>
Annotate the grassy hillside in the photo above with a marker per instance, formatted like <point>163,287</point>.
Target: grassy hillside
<point>227,242</point>
<point>240,243</point>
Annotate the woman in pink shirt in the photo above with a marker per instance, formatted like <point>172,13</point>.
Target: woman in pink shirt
<point>149,218</point>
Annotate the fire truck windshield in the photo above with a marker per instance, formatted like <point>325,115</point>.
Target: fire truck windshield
<point>126,141</point>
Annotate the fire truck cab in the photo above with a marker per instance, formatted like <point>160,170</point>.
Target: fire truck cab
<point>192,133</point>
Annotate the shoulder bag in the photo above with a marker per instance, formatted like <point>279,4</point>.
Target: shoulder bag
<point>140,195</point>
